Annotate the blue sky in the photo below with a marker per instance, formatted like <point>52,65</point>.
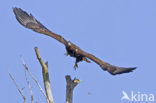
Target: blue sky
<point>121,32</point>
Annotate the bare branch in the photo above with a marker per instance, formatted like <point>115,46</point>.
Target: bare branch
<point>71,84</point>
<point>20,91</point>
<point>45,76</point>
<point>27,69</point>
<point>30,88</point>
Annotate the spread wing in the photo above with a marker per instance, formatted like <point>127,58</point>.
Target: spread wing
<point>28,21</point>
<point>114,70</point>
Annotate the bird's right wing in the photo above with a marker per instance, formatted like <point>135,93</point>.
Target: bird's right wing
<point>28,21</point>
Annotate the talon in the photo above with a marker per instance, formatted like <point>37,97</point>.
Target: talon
<point>75,66</point>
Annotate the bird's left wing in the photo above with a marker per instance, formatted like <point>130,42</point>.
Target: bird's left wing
<point>114,70</point>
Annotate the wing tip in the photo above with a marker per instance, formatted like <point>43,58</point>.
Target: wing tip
<point>123,70</point>
<point>21,15</point>
<point>16,10</point>
<point>27,20</point>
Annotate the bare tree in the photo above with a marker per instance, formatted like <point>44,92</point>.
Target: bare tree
<point>71,84</point>
<point>45,77</point>
<point>19,90</point>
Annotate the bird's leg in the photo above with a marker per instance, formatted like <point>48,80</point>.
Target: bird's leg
<point>76,65</point>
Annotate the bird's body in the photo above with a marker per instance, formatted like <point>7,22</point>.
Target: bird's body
<point>28,21</point>
<point>72,51</point>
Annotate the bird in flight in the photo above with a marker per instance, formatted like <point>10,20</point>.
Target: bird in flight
<point>28,21</point>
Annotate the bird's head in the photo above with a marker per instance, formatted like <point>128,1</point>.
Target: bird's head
<point>69,44</point>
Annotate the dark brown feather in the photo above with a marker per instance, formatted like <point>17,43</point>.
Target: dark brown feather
<point>114,70</point>
<point>28,21</point>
